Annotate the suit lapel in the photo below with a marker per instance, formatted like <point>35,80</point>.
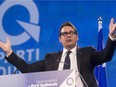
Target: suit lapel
<point>58,60</point>
<point>79,59</point>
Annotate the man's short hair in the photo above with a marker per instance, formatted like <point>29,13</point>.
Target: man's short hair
<point>67,24</point>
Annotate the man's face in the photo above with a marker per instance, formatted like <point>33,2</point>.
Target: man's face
<point>68,37</point>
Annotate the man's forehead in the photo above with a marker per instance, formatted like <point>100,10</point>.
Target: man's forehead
<point>67,28</point>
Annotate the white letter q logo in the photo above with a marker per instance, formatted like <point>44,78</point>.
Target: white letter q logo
<point>32,30</point>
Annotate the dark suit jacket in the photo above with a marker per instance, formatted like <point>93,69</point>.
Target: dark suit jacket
<point>87,59</point>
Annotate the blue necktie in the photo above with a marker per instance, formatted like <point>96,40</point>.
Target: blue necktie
<point>67,61</point>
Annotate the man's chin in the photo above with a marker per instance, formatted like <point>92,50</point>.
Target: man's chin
<point>70,46</point>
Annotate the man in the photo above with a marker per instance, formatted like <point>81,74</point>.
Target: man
<point>83,60</point>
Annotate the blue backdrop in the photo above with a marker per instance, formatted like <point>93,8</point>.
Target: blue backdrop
<point>33,27</point>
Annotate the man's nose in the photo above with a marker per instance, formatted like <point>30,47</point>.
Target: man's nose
<point>68,35</point>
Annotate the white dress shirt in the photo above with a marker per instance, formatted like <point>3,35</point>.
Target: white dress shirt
<point>73,59</point>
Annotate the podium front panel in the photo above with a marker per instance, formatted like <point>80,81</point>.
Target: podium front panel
<point>62,78</point>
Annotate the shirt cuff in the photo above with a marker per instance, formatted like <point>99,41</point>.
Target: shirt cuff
<point>112,38</point>
<point>8,54</point>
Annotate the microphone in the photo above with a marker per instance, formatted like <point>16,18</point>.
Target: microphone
<point>61,62</point>
<point>15,71</point>
<point>83,81</point>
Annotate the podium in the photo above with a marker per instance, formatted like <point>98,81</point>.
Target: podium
<point>61,78</point>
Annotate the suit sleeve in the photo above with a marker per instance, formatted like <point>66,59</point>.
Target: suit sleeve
<point>23,66</point>
<point>105,55</point>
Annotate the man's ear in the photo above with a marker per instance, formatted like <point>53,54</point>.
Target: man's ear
<point>77,38</point>
<point>59,40</point>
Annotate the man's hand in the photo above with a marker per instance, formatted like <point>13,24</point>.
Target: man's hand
<point>6,47</point>
<point>112,28</point>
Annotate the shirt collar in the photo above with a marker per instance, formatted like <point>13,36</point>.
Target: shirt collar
<point>72,50</point>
